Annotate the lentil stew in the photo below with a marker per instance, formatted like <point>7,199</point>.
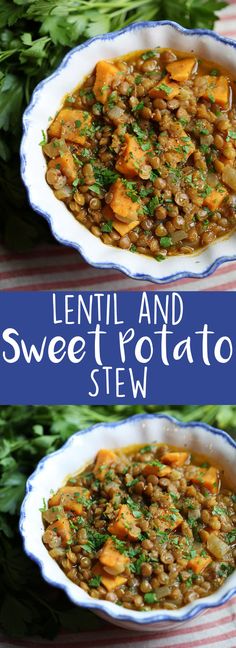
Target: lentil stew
<point>145,527</point>
<point>143,153</point>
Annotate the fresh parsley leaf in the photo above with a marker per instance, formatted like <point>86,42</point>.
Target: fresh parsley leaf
<point>95,581</point>
<point>44,139</point>
<point>107,227</point>
<point>150,597</point>
<point>165,241</point>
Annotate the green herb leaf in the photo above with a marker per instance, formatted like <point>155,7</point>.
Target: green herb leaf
<point>95,581</point>
<point>165,241</point>
<point>107,227</point>
<point>44,139</point>
<point>148,55</point>
<point>150,598</point>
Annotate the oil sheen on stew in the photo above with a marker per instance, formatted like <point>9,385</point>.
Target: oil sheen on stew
<point>146,527</point>
<point>143,153</point>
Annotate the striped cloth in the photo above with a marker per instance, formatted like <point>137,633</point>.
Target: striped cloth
<point>60,268</point>
<point>216,628</point>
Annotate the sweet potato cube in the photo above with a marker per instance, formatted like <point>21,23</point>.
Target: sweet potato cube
<point>181,146</point>
<point>104,459</point>
<point>185,146</point>
<point>181,70</point>
<point>68,497</point>
<point>124,525</point>
<point>211,479</point>
<point>165,89</point>
<point>206,477</point>
<point>131,157</point>
<point>105,73</point>
<point>75,504</point>
<point>199,564</point>
<point>217,90</point>
<point>156,468</point>
<point>69,124</point>
<point>175,459</point>
<point>62,529</point>
<point>124,207</point>
<point>111,559</point>
<point>215,198</point>
<point>55,500</point>
<point>110,582</point>
<point>76,130</point>
<point>168,519</point>
<point>66,164</point>
<point>124,228</point>
<point>72,505</point>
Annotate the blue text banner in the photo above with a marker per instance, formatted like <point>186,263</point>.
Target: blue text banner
<point>101,348</point>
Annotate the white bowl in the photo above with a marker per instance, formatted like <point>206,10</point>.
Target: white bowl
<point>81,448</point>
<point>45,102</point>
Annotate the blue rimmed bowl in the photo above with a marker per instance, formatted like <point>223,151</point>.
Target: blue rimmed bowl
<point>52,472</point>
<point>46,100</point>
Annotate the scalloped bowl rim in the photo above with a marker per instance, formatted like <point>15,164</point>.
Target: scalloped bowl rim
<point>110,610</point>
<point>87,252</point>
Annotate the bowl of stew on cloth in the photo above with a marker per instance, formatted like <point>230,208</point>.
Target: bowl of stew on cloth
<point>129,151</point>
<point>144,535</point>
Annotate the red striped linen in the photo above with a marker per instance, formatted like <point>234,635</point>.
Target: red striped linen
<point>60,268</point>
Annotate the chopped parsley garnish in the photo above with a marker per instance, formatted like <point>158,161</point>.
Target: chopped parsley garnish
<point>139,106</point>
<point>95,581</point>
<point>104,176</point>
<point>131,189</point>
<point>165,241</point>
<point>120,545</point>
<point>44,139</point>
<point>183,121</point>
<point>153,204</point>
<point>138,563</point>
<point>132,482</point>
<point>218,510</point>
<point>44,507</point>
<point>95,188</point>
<point>98,107</point>
<point>150,597</point>
<point>147,448</point>
<point>133,506</point>
<point>231,135</point>
<point>86,92</point>
<point>231,536</point>
<point>225,570</point>
<point>192,522</point>
<point>165,88</point>
<point>148,55</point>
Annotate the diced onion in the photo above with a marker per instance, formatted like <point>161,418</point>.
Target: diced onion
<point>115,114</point>
<point>162,591</point>
<point>212,179</point>
<point>229,176</point>
<point>63,193</point>
<point>179,235</point>
<point>217,547</point>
